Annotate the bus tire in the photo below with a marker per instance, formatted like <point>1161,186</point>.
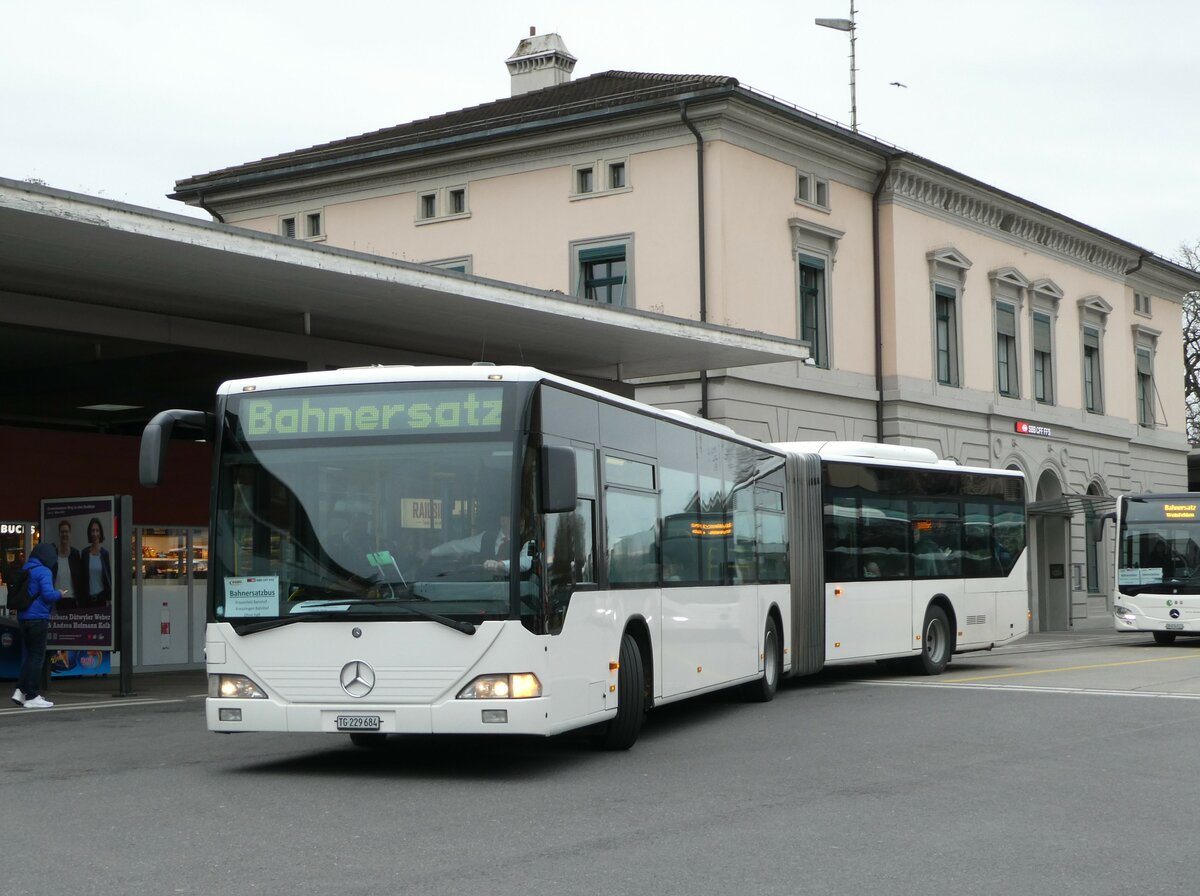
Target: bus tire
<point>935,642</point>
<point>368,741</point>
<point>622,730</point>
<point>763,690</point>
<point>1164,639</point>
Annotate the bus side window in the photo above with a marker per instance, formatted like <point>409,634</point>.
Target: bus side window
<point>569,559</point>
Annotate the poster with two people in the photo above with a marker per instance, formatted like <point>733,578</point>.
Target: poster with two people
<point>81,630</point>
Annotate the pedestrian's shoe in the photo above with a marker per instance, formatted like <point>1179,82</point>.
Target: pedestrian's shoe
<point>38,703</point>
<point>18,697</point>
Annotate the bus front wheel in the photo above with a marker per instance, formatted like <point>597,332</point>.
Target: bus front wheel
<point>935,642</point>
<point>1164,638</point>
<point>623,730</point>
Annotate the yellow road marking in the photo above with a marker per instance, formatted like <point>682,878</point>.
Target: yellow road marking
<point>1161,659</point>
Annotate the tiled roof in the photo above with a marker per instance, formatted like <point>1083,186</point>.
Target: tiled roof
<point>603,90</point>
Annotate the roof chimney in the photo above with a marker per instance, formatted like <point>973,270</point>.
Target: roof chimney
<point>539,61</point>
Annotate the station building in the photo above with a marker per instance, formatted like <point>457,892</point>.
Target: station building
<point>936,310</point>
<point>682,239</point>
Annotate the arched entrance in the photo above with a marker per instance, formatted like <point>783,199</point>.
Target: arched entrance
<point>1050,600</point>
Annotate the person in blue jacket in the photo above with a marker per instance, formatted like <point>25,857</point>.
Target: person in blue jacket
<point>35,625</point>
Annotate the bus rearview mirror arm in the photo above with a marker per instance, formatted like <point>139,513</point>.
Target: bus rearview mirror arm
<point>1097,524</point>
<point>157,435</point>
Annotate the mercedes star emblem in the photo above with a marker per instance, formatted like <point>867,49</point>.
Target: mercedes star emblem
<point>357,678</point>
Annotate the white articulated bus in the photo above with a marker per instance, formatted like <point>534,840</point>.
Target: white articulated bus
<point>486,549</point>
<point>1157,565</point>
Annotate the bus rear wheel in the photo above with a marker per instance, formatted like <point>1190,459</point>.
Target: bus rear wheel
<point>622,731</point>
<point>935,642</point>
<point>1164,638</point>
<point>763,689</point>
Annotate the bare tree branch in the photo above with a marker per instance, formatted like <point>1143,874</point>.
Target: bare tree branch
<point>1189,256</point>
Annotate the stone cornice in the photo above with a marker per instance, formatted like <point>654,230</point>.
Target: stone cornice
<point>1004,219</point>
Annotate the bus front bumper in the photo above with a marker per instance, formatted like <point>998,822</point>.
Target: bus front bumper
<point>529,717</point>
<point>1128,620</point>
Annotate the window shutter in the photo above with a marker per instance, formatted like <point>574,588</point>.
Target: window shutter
<point>1006,321</point>
<point>604,253</point>
<point>1091,339</point>
<point>1144,366</point>
<point>1041,333</point>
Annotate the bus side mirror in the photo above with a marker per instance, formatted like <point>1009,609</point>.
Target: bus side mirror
<point>155,438</point>
<point>559,494</point>
<point>1097,525</point>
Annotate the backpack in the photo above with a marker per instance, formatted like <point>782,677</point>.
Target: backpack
<point>19,597</point>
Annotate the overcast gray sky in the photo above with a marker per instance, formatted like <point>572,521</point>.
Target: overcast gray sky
<point>1087,107</point>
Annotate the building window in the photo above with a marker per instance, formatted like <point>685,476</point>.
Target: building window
<point>1093,398</point>
<point>947,280</point>
<point>812,190</point>
<point>442,203</point>
<point>1043,359</point>
<point>1145,343</point>
<point>616,175</point>
<point>812,309</point>
<point>1145,387</point>
<point>1006,350</point>
<point>1045,298</point>
<point>1009,289</point>
<point>946,330</point>
<point>1093,318</point>
<point>308,225</point>
<point>601,177</point>
<point>814,248</point>
<point>460,265</point>
<point>1141,303</point>
<point>1092,548</point>
<point>602,272</point>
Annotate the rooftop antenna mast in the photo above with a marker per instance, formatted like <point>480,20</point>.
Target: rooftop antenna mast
<point>849,26</point>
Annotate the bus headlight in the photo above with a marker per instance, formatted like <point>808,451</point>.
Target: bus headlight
<point>234,687</point>
<point>517,686</point>
<point>1123,613</point>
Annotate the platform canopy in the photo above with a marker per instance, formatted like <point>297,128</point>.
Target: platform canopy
<point>106,304</point>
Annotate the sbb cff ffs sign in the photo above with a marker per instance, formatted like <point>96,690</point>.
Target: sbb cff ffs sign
<point>1032,429</point>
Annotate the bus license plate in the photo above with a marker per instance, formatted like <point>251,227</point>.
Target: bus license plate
<point>1174,626</point>
<point>357,723</point>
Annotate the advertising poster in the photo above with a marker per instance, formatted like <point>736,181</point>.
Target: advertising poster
<point>81,529</point>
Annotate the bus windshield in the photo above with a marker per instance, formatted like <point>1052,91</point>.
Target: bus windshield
<point>1160,546</point>
<point>332,518</point>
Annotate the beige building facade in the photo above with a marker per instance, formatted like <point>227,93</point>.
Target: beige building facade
<point>937,311</point>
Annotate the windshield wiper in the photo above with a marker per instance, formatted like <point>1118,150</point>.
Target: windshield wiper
<point>263,625</point>
<point>467,628</point>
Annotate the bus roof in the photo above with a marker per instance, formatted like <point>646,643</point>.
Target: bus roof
<point>884,453</point>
